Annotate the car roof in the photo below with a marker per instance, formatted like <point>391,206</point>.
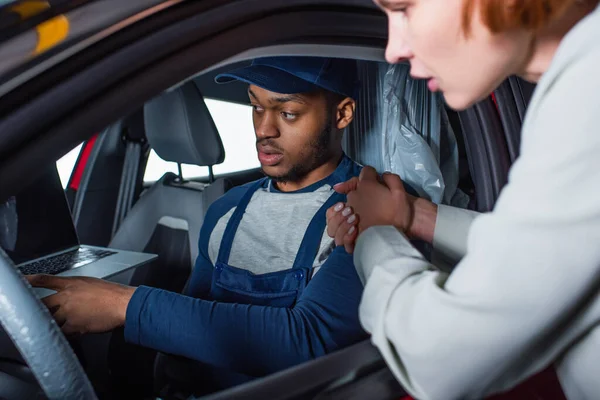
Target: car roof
<point>38,34</point>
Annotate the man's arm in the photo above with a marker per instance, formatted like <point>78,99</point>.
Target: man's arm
<point>254,340</point>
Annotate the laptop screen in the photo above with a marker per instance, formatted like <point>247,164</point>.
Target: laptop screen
<point>42,219</point>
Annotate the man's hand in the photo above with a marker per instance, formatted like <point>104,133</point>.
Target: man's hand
<point>85,305</point>
<point>341,226</point>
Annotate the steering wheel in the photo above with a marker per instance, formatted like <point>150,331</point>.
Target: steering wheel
<point>39,340</point>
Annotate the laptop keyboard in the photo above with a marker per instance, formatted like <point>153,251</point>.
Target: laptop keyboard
<point>62,262</point>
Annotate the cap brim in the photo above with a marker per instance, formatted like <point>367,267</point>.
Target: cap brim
<point>269,78</point>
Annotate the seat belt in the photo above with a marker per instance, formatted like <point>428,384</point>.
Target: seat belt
<point>134,138</point>
<point>129,174</point>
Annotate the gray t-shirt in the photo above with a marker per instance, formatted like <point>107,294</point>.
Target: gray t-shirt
<point>270,233</point>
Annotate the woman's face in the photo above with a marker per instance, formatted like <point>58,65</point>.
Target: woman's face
<point>466,68</point>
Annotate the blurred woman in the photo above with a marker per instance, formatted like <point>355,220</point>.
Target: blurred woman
<point>525,294</point>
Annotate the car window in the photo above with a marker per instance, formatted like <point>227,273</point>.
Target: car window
<point>66,164</point>
<point>234,123</point>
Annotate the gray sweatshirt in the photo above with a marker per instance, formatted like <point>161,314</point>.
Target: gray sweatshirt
<point>526,294</point>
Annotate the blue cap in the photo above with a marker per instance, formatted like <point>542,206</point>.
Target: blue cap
<point>290,75</point>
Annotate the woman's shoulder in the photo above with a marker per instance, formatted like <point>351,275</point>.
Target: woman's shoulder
<point>572,83</point>
<point>579,51</point>
<point>563,111</point>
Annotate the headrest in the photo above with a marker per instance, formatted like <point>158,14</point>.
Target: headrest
<point>180,128</point>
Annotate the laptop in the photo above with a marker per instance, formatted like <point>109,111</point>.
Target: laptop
<point>46,242</point>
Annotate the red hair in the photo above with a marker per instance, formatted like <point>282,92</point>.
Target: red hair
<point>505,15</point>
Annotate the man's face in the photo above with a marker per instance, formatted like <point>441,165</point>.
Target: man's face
<point>295,133</point>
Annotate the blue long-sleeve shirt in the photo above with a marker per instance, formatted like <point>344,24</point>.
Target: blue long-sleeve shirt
<point>253,340</point>
<point>248,339</point>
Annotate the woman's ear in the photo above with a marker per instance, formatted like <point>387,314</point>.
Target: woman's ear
<point>345,113</point>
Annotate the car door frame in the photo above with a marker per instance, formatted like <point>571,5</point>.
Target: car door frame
<point>77,106</point>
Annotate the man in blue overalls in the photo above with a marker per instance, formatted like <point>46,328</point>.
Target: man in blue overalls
<point>269,290</point>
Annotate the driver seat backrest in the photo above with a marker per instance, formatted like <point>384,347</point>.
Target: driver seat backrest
<point>167,218</point>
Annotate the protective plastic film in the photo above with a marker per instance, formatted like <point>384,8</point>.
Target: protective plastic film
<point>403,128</point>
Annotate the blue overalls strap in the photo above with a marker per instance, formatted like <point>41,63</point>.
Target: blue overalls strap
<point>234,221</point>
<point>314,233</point>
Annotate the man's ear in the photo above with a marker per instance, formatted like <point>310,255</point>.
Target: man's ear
<point>345,113</point>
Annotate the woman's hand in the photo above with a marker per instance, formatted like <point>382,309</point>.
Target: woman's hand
<point>379,201</point>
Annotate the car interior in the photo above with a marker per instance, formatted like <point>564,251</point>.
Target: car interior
<point>112,205</point>
<point>467,156</point>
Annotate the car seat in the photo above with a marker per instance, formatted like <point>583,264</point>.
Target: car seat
<point>167,218</point>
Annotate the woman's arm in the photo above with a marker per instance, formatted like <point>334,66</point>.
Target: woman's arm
<point>526,289</point>
<point>451,230</point>
<point>445,227</point>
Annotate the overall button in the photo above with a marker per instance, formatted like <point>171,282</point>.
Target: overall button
<point>218,267</point>
<point>299,275</point>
